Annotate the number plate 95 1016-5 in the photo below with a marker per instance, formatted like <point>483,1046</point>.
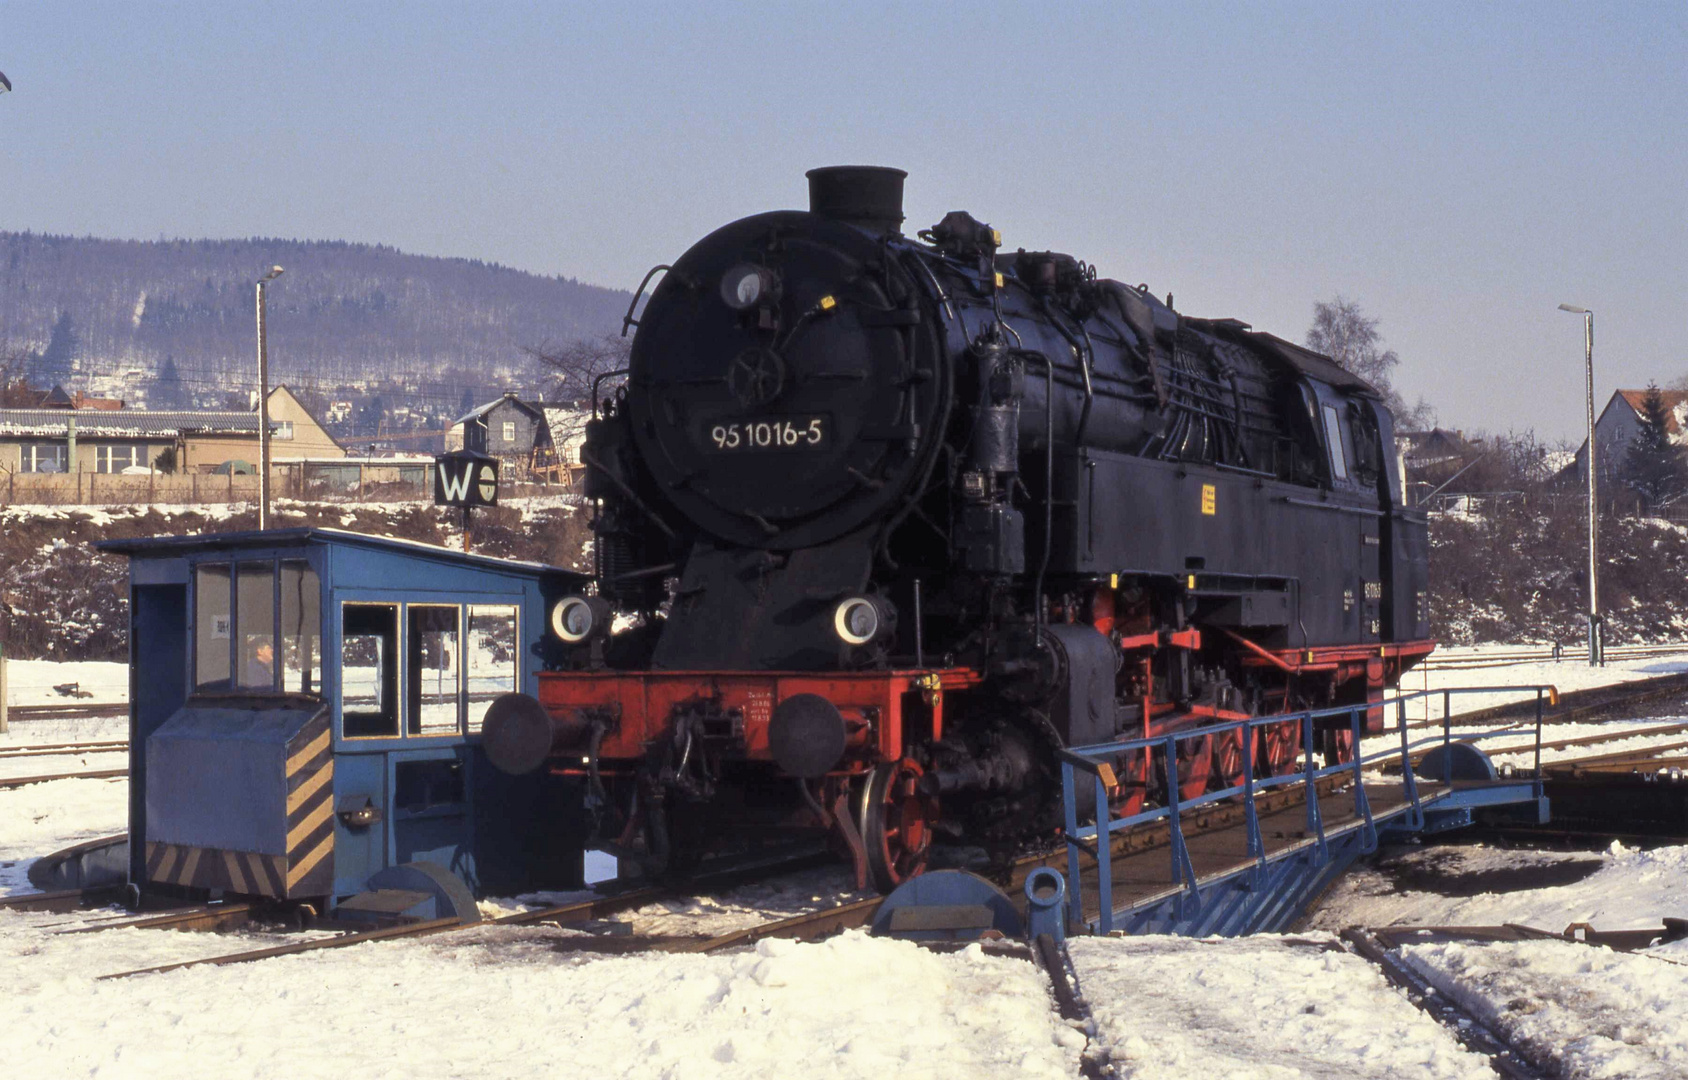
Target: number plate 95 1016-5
<point>770,433</point>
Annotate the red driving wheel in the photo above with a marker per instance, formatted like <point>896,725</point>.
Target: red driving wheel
<point>1337,745</point>
<point>1195,764</point>
<point>1227,759</point>
<point>1132,772</point>
<point>896,823</point>
<point>1277,749</point>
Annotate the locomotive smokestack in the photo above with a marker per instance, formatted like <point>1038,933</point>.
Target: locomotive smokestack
<point>866,196</point>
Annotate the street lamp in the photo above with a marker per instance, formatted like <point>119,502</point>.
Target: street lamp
<point>1596,647</point>
<point>264,406</point>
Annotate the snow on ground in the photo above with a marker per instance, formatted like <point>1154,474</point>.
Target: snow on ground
<point>748,905</point>
<point>39,819</point>
<point>1257,1008</point>
<point>1507,742</point>
<point>719,913</point>
<point>51,764</point>
<point>1595,1012</point>
<point>1567,675</point>
<point>1622,888</point>
<point>521,1002</point>
<point>31,682</point>
<point>854,1006</point>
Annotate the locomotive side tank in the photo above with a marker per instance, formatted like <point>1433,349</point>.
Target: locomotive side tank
<point>892,519</point>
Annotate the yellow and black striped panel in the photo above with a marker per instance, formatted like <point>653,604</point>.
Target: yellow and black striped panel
<point>244,872</point>
<point>310,810</point>
<point>305,868</point>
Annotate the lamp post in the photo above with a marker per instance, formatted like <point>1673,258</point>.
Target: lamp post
<point>1596,647</point>
<point>264,406</point>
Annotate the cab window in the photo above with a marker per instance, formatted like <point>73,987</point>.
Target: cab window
<point>213,612</point>
<point>1333,437</point>
<point>369,705</point>
<point>490,658</point>
<point>435,670</point>
<point>254,657</point>
<point>301,628</point>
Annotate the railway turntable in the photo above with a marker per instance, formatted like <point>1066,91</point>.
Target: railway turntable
<point>1251,858</point>
<point>305,718</point>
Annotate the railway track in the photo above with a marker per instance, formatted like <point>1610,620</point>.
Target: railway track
<point>1545,655</point>
<point>86,774</point>
<point>61,901</point>
<point>23,714</point>
<point>1381,949</point>
<point>1575,706</point>
<point>804,926</point>
<point>107,746</point>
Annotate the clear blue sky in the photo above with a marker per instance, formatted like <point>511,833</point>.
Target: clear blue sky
<point>1458,168</point>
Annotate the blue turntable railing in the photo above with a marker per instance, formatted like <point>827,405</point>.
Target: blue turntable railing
<point>1097,764</point>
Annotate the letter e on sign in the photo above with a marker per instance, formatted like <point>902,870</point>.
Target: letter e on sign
<point>1210,500</point>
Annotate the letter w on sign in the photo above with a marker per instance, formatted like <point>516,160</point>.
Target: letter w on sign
<point>465,478</point>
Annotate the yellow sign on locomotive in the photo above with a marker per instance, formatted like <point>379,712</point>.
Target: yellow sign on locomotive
<point>1210,500</point>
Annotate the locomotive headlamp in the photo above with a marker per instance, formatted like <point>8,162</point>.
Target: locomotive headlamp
<point>746,285</point>
<point>857,620</point>
<point>576,618</point>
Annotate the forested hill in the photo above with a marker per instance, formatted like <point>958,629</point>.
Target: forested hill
<point>342,313</point>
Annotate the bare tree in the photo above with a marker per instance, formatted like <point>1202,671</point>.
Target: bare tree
<point>569,372</point>
<point>1343,332</point>
<point>15,391</point>
<point>570,368</point>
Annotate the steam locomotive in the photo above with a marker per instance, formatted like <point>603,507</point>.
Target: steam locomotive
<point>882,522</point>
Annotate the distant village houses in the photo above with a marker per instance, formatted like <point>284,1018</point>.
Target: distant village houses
<point>75,434</point>
<point>533,439</point>
<point>1618,425</point>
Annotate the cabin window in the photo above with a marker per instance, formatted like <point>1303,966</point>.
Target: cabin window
<point>114,459</point>
<point>301,629</point>
<point>45,457</point>
<point>255,624</point>
<point>434,670</point>
<point>212,623</point>
<point>509,431</point>
<point>491,657</point>
<point>369,650</point>
<point>1333,436</point>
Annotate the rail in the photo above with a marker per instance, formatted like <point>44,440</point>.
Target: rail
<point>1546,654</point>
<point>1095,761</point>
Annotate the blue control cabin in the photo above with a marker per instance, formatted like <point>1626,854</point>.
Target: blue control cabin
<point>305,713</point>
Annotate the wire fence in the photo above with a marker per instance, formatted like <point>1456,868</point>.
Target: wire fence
<point>337,482</point>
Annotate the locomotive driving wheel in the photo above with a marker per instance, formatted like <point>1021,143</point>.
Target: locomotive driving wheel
<point>1227,760</point>
<point>1132,770</point>
<point>1336,744</point>
<point>1277,748</point>
<point>1195,764</point>
<point>896,823</point>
